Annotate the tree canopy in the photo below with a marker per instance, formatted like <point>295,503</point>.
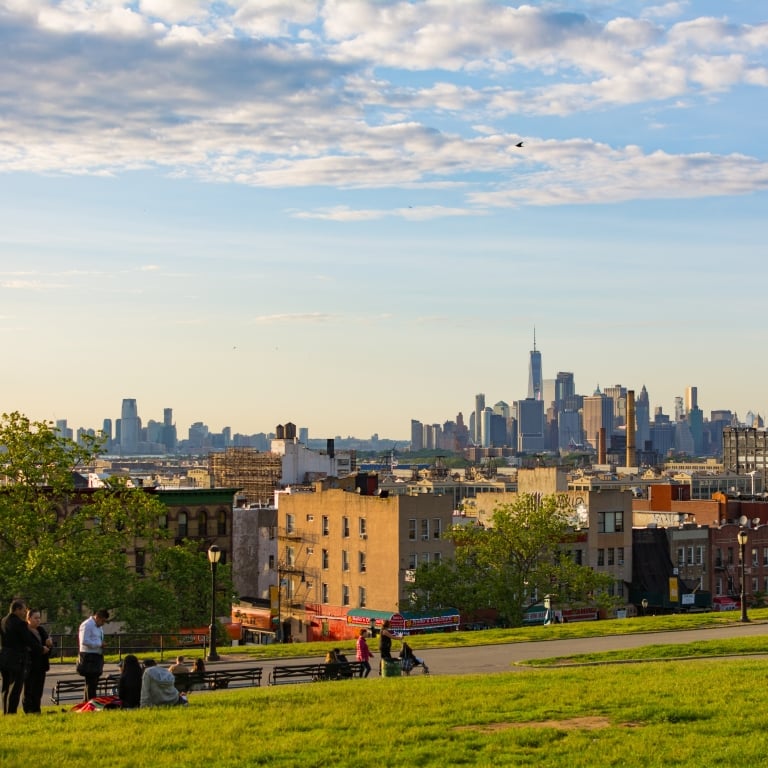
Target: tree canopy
<point>63,547</point>
<point>520,556</point>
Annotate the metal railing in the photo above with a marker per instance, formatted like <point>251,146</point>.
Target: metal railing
<point>66,647</point>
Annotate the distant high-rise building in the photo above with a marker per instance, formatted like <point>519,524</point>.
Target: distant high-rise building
<point>417,435</point>
<point>106,429</point>
<point>565,388</point>
<point>597,415</point>
<point>619,396</point>
<point>691,399</point>
<point>643,419</point>
<point>168,433</point>
<point>679,408</point>
<point>478,425</point>
<point>535,382</point>
<point>63,430</point>
<point>130,427</point>
<point>530,425</point>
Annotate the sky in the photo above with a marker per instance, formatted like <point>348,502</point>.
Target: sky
<point>263,211</point>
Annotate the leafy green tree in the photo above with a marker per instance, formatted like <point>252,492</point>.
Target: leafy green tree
<point>63,547</point>
<point>520,554</point>
<point>175,591</point>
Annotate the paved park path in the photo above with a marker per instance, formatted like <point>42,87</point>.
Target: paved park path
<point>488,659</point>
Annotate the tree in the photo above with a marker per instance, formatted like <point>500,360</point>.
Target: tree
<point>520,554</point>
<point>175,591</point>
<point>62,546</point>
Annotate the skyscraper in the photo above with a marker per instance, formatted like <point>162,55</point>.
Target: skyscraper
<point>535,383</point>
<point>478,425</point>
<point>129,427</point>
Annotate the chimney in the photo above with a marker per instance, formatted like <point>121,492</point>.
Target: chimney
<point>631,458</point>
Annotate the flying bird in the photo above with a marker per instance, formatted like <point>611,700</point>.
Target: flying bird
<point>519,144</point>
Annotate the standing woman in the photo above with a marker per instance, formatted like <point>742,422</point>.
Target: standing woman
<point>363,654</point>
<point>39,663</point>
<point>14,655</point>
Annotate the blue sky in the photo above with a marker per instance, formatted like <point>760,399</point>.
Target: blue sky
<point>257,212</point>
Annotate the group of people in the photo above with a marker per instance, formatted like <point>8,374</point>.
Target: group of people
<point>408,660</point>
<point>148,685</point>
<point>24,658</point>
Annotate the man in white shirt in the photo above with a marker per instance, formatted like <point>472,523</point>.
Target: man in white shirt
<point>91,661</point>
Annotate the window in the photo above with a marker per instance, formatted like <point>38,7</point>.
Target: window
<point>425,557</point>
<point>765,557</point>
<point>290,557</point>
<point>310,518</point>
<point>324,560</point>
<point>362,598</point>
<point>425,530</point>
<point>436,557</point>
<point>361,562</point>
<point>412,530</point>
<point>344,560</point>
<point>600,557</point>
<point>413,561</point>
<point>271,562</point>
<point>730,555</point>
<point>324,525</point>
<point>362,527</point>
<point>290,524</point>
<point>437,528</point>
<point>719,586</point>
<point>324,593</point>
<point>576,555</point>
<point>162,521</point>
<point>680,555</point>
<point>755,585</point>
<point>755,560</point>
<point>183,526</point>
<point>345,527</point>
<point>611,553</point>
<point>718,557</point>
<point>619,556</point>
<point>202,523</point>
<point>221,523</point>
<point>610,522</point>
<point>700,555</point>
<point>689,561</point>
<point>345,594</point>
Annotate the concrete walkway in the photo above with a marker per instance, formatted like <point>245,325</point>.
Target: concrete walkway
<point>489,659</point>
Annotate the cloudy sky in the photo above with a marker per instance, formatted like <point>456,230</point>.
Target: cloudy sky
<point>261,211</point>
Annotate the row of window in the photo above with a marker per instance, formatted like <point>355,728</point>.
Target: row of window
<point>423,529</point>
<point>610,556</point>
<point>325,595</point>
<point>414,558</point>
<point>734,586</point>
<point>730,559</point>
<point>203,524</point>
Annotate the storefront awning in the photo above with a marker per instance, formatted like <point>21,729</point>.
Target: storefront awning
<point>405,622</point>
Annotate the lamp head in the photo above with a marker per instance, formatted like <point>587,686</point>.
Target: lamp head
<point>742,537</point>
<point>214,554</point>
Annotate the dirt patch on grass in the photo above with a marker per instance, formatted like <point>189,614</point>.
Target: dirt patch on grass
<point>574,723</point>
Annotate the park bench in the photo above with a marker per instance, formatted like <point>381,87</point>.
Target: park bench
<point>309,673</point>
<point>73,690</point>
<point>217,679</point>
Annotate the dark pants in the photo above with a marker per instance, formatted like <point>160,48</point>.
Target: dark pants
<point>91,687</point>
<point>33,691</point>
<point>13,682</point>
<point>365,669</point>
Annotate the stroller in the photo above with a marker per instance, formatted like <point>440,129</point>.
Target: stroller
<point>409,661</point>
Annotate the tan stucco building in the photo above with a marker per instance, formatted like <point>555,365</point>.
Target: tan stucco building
<point>340,549</point>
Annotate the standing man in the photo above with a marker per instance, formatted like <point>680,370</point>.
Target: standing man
<point>14,655</point>
<point>91,662</point>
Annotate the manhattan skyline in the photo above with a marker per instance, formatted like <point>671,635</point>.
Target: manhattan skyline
<point>319,211</point>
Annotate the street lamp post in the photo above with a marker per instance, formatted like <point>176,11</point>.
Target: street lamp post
<point>742,537</point>
<point>214,555</point>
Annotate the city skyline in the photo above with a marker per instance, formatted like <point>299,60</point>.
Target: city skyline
<point>320,211</point>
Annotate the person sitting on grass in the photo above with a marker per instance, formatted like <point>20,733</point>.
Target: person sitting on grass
<point>158,687</point>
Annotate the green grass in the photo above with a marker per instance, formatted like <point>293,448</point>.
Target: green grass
<point>680,714</point>
<point>676,714</point>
